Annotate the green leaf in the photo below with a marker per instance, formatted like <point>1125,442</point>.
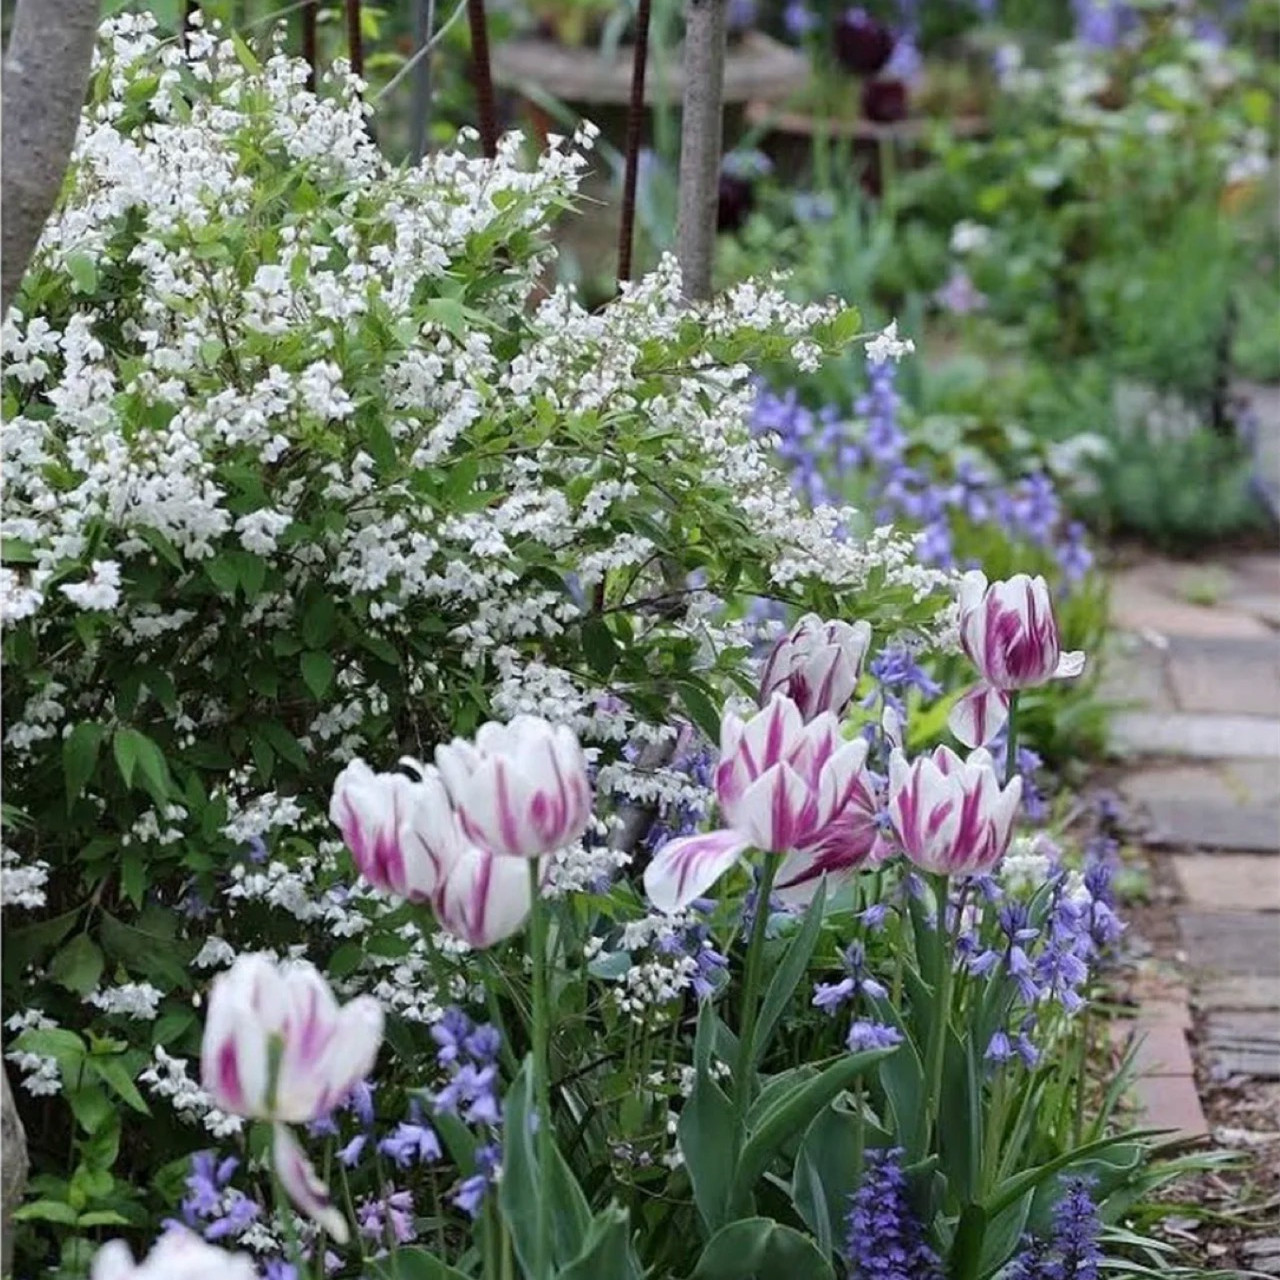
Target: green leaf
<point>828,1167</point>
<point>47,1211</point>
<point>133,874</point>
<point>91,1108</point>
<point>223,573</point>
<point>700,708</point>
<point>764,1249</point>
<point>520,1190</point>
<point>319,622</point>
<point>125,747</point>
<point>102,1218</point>
<point>136,753</point>
<point>788,974</point>
<point>83,272</point>
<point>710,1134</point>
<point>607,1252</point>
<point>599,646</point>
<point>789,1116</point>
<point>317,671</point>
<point>80,756</point>
<point>78,966</point>
<point>414,1264</point>
<point>116,1076</point>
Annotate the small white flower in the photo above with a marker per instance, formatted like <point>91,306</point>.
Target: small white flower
<point>100,591</point>
<point>886,345</point>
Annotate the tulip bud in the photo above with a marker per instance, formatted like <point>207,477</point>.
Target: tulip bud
<point>179,1254</point>
<point>1010,634</point>
<point>521,789</point>
<point>950,815</point>
<point>369,809</point>
<point>817,665</point>
<point>480,897</point>
<point>277,1046</point>
<point>862,44</point>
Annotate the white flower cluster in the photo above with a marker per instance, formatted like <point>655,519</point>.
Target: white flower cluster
<point>41,1075</point>
<point>22,885</point>
<point>138,1000</point>
<point>167,1078</point>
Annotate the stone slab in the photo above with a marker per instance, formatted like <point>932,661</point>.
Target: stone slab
<point>1133,676</point>
<point>1192,824</point>
<point>1171,1102</point>
<point>1146,608</point>
<point>1254,783</point>
<point>1194,735</point>
<point>1244,1043</point>
<point>1263,607</point>
<point>1160,1049</point>
<point>1227,944</point>
<point>1236,676</point>
<point>1229,882</point>
<point>1239,992</point>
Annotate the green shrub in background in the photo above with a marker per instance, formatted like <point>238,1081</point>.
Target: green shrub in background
<point>293,471</point>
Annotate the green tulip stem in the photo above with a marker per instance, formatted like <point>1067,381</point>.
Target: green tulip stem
<point>541,1084</point>
<point>941,1004</point>
<point>1011,746</point>
<point>751,986</point>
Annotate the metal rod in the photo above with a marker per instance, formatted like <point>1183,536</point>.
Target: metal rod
<point>310,51</point>
<point>420,107</point>
<point>483,75</point>
<point>355,38</point>
<point>635,121</point>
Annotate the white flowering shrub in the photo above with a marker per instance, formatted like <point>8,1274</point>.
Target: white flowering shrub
<point>302,460</point>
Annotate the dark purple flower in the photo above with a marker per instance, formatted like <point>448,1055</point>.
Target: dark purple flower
<point>862,45</point>
<point>884,101</point>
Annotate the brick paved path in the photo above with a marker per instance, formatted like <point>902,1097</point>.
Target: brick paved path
<point>1197,660</point>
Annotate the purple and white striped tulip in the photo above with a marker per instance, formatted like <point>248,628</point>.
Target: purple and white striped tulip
<point>264,1015</point>
<point>1009,631</point>
<point>817,665</point>
<point>479,896</point>
<point>951,815</point>
<point>784,787</point>
<point>179,1254</point>
<point>370,809</point>
<point>300,1181</point>
<point>521,789</point>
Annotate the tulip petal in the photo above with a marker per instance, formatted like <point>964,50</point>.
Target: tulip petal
<point>685,869</point>
<point>485,897</point>
<point>1070,665</point>
<point>309,1195</point>
<point>979,715</point>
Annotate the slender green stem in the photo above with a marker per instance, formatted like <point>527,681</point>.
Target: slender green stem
<point>1011,746</point>
<point>743,1081</point>
<point>541,1085</point>
<point>349,1200</point>
<point>293,1246</point>
<point>941,1005</point>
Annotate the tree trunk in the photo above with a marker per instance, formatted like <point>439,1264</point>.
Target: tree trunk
<point>701,133</point>
<point>46,69</point>
<point>13,1170</point>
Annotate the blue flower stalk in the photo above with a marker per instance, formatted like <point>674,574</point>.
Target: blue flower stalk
<point>885,1239</point>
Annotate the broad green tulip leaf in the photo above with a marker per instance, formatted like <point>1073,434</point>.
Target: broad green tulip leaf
<point>1003,1234</point>
<point>827,1170</point>
<point>763,1249</point>
<point>710,1136</point>
<point>414,1264</point>
<point>791,1114</point>
<point>607,1252</point>
<point>521,1189</point>
<point>788,974</point>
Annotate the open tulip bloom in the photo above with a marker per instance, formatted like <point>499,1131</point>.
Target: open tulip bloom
<point>951,815</point>
<point>784,787</point>
<point>817,665</point>
<point>277,1046</point>
<point>1009,631</point>
<point>521,788</point>
<point>408,840</point>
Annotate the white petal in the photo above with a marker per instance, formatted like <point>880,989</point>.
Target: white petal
<point>304,1187</point>
<point>685,869</point>
<point>1070,665</point>
<point>979,715</point>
